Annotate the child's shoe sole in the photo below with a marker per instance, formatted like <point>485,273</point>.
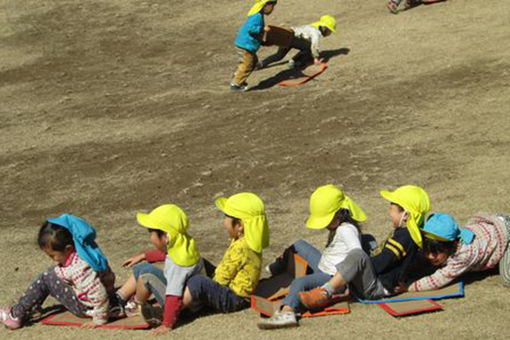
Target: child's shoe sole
<point>7,319</point>
<point>153,315</point>
<point>267,325</point>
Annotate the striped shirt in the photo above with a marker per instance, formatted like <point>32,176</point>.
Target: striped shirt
<point>87,285</point>
<point>485,252</point>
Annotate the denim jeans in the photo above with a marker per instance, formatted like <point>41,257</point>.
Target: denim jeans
<point>310,281</point>
<point>209,293</point>
<point>153,279</point>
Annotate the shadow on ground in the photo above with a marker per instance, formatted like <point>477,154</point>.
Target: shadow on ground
<point>295,73</point>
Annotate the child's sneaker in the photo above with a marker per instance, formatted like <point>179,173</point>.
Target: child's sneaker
<point>132,308</point>
<point>280,319</point>
<point>392,7</point>
<point>8,320</point>
<point>315,299</point>
<point>235,87</point>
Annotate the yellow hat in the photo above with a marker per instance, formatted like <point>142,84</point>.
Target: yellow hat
<point>416,202</point>
<point>258,6</point>
<point>173,220</point>
<point>326,21</point>
<point>325,202</point>
<point>249,208</point>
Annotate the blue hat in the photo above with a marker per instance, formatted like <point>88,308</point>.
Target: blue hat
<point>83,236</point>
<point>443,227</point>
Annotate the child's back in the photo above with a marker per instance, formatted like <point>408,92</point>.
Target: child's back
<point>239,268</point>
<point>396,257</point>
<point>247,38</point>
<point>346,237</point>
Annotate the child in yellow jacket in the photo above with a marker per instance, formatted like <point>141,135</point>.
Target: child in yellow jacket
<point>238,273</point>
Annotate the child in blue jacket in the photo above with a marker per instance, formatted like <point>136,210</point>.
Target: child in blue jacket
<point>248,42</point>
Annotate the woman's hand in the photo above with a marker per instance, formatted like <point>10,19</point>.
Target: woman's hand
<point>133,260</point>
<point>267,28</point>
<point>316,61</point>
<point>161,330</point>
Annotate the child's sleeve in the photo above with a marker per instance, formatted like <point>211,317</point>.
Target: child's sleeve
<point>88,281</point>
<point>314,45</point>
<point>155,255</point>
<point>173,306</point>
<point>256,26</point>
<point>99,298</point>
<point>441,277</point>
<point>233,260</point>
<point>393,252</point>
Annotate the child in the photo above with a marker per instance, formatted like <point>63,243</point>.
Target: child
<point>168,226</point>
<point>81,280</point>
<point>306,40</point>
<point>393,4</point>
<point>480,245</point>
<point>239,271</point>
<point>329,209</point>
<point>380,275</point>
<point>248,42</point>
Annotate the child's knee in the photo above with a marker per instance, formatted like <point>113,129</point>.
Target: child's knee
<point>140,268</point>
<point>197,284</point>
<point>299,284</point>
<point>356,257</point>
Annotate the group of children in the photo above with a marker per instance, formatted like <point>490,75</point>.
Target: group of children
<point>83,282</point>
<point>305,39</point>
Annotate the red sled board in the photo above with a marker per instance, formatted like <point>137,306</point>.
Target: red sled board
<point>306,75</point>
<point>69,319</point>
<point>412,307</point>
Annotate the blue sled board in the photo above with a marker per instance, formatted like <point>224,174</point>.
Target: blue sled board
<point>443,293</point>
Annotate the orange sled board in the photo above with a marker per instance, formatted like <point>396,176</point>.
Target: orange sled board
<point>268,296</point>
<point>307,74</point>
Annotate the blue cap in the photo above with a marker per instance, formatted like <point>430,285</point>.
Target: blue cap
<point>443,227</point>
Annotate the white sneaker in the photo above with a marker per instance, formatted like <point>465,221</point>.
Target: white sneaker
<point>279,320</point>
<point>132,308</point>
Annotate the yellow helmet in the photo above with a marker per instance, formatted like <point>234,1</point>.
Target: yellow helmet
<point>326,21</point>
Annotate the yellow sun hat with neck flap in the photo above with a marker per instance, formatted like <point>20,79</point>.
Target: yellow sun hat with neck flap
<point>249,208</point>
<point>415,201</point>
<point>174,221</point>
<point>259,4</point>
<point>327,21</point>
<point>326,201</point>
